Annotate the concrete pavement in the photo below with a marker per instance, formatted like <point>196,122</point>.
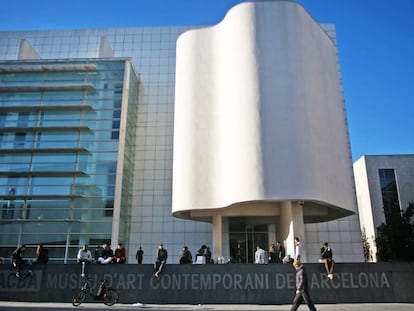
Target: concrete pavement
<point>9,305</point>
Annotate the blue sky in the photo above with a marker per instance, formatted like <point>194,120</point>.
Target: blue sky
<point>375,41</point>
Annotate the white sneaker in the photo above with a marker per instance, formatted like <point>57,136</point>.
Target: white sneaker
<point>330,276</point>
<point>138,304</point>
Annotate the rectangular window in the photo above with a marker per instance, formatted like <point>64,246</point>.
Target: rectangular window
<point>19,140</point>
<point>390,198</point>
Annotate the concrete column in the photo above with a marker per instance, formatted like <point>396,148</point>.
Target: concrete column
<point>217,237</point>
<point>271,229</point>
<point>291,225</point>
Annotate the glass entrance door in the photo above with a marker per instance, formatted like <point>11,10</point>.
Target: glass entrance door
<point>244,239</point>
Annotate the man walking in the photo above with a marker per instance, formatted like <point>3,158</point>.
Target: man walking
<point>302,293</point>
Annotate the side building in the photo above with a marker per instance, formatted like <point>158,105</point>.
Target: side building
<point>384,187</point>
<point>220,135</point>
<point>67,131</point>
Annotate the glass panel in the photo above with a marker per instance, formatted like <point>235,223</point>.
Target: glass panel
<point>86,211</point>
<point>390,198</point>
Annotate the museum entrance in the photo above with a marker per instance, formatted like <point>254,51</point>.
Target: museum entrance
<point>244,238</point>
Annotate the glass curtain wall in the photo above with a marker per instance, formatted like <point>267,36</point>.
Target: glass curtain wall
<point>59,138</point>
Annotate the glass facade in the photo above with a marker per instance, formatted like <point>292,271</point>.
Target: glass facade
<point>390,198</point>
<point>60,125</point>
<point>141,198</point>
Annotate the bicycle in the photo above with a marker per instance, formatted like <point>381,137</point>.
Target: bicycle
<point>108,295</point>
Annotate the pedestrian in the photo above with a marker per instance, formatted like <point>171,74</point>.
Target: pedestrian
<point>302,291</point>
<point>298,248</point>
<point>327,260</point>
<point>185,256</point>
<point>207,254</point>
<point>119,254</point>
<point>160,261</point>
<point>280,252</point>
<point>42,254</point>
<point>18,261</point>
<point>260,256</point>
<point>272,253</point>
<point>139,255</point>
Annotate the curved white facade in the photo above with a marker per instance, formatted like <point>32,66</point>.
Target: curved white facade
<point>260,118</point>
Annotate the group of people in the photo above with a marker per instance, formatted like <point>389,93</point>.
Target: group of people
<point>19,263</point>
<point>205,254</point>
<point>185,257</point>
<point>276,254</point>
<point>103,255</point>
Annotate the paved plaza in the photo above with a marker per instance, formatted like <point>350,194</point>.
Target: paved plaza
<point>14,306</point>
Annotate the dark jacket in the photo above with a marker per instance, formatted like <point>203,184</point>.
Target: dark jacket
<point>301,280</point>
<point>17,255</point>
<point>43,255</point>
<point>106,253</point>
<point>186,257</point>
<point>326,253</point>
<point>162,254</point>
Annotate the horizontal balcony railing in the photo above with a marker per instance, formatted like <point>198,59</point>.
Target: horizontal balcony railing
<point>46,68</point>
<point>85,107</point>
<point>45,150</point>
<point>46,88</point>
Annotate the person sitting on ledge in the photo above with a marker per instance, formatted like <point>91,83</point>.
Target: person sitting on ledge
<point>119,254</point>
<point>106,255</point>
<point>326,259</point>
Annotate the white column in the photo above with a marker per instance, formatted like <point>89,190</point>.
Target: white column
<point>217,237</point>
<point>291,225</point>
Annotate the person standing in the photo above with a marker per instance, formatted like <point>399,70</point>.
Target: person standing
<point>302,291</point>
<point>272,253</point>
<point>17,260</point>
<point>42,254</point>
<point>280,252</point>
<point>160,261</point>
<point>260,256</point>
<point>298,248</point>
<point>139,255</point>
<point>207,254</point>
